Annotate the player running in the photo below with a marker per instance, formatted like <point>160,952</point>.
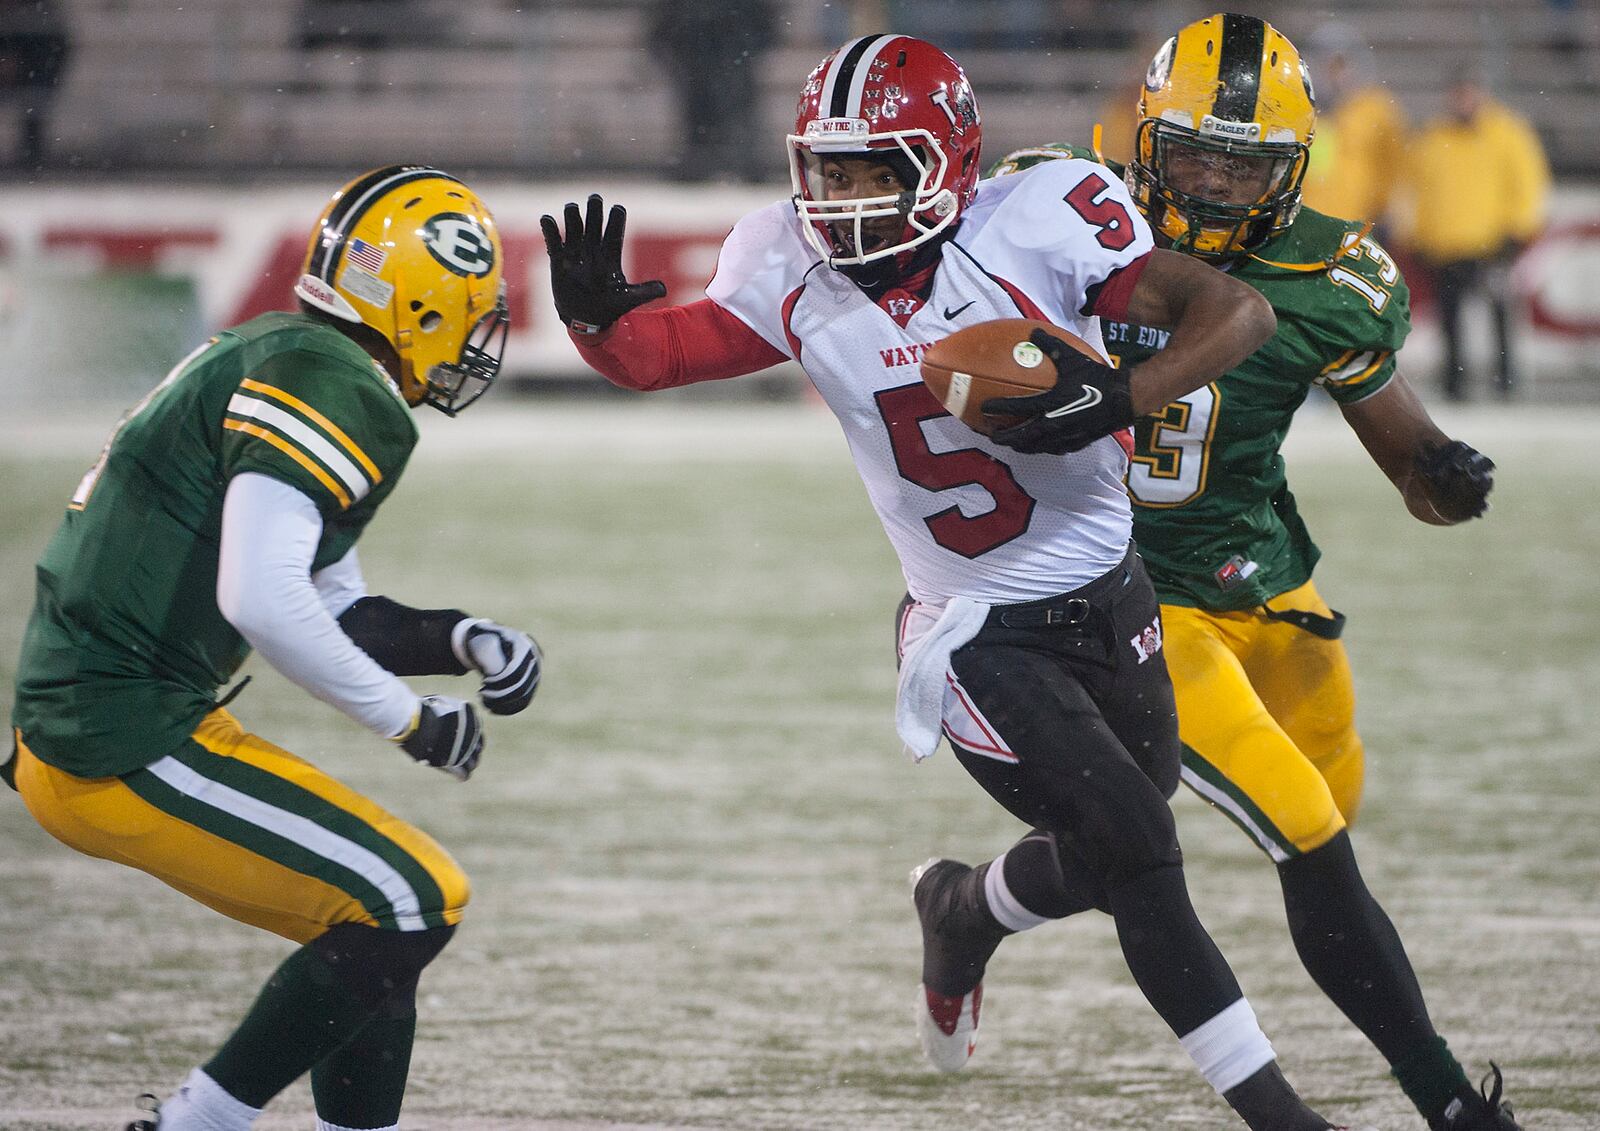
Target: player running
<point>1266,708</point>
<point>223,516</point>
<point>1024,590</point>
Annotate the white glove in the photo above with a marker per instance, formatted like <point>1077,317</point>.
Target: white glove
<point>510,661</point>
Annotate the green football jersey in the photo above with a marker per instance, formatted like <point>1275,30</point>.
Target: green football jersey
<point>1213,515</point>
<point>126,646</point>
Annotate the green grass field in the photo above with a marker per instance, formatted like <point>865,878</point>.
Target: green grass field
<point>690,854</point>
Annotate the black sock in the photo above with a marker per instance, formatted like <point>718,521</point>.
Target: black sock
<point>1181,971</point>
<point>1352,951</point>
<point>302,1013</point>
<point>362,1082</point>
<point>1267,1102</point>
<point>1050,878</point>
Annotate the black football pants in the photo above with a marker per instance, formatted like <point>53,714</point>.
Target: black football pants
<point>1077,691</point>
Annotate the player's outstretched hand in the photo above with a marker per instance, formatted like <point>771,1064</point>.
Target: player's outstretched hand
<point>446,735</point>
<point>1089,400</point>
<point>1459,479</point>
<point>510,661</point>
<point>586,278</point>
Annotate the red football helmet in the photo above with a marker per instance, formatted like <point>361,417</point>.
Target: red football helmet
<point>898,99</point>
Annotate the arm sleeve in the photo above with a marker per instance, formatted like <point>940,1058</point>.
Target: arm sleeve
<point>341,584</point>
<point>264,589</point>
<point>681,345</point>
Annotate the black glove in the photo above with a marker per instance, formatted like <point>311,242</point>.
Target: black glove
<point>586,278</point>
<point>446,735</point>
<point>510,661</point>
<point>1459,479</point>
<point>1089,400</point>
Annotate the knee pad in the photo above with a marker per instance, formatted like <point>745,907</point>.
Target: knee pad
<point>376,965</point>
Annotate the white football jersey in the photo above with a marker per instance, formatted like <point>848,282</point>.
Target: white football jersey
<point>968,517</point>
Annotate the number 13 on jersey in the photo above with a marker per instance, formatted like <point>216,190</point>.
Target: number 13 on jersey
<point>1173,450</point>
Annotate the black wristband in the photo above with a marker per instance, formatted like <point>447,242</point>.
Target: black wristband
<point>404,640</point>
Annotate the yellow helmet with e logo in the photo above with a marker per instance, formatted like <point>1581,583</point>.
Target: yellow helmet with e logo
<point>1225,126</point>
<point>414,254</point>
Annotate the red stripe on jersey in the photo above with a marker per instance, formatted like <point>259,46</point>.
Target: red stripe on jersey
<point>1110,296</point>
<point>1029,308</point>
<point>788,312</point>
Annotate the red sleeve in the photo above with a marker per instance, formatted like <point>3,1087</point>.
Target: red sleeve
<point>1109,297</point>
<point>677,345</point>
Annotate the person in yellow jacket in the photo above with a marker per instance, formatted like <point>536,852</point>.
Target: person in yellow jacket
<point>1361,132</point>
<point>1478,183</point>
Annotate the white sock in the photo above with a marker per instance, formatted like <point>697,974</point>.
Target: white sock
<point>324,1125</point>
<point>1228,1049</point>
<point>1004,906</point>
<point>201,1104</point>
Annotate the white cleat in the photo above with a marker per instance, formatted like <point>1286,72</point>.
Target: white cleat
<point>948,1027</point>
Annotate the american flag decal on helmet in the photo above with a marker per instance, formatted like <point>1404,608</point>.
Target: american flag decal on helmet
<point>366,255</point>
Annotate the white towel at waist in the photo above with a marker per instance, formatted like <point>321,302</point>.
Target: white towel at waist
<point>919,705</point>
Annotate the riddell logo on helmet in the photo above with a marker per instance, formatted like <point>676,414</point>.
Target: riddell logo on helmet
<point>315,288</point>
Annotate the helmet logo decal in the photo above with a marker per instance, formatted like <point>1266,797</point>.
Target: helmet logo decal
<point>962,111</point>
<point>458,242</point>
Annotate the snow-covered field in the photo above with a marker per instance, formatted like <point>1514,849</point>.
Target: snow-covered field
<point>690,855</point>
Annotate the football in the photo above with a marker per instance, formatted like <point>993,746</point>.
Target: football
<point>992,359</point>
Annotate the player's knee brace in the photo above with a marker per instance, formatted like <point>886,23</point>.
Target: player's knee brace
<point>377,965</point>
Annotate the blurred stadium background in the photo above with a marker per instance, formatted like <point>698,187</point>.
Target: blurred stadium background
<point>689,860</point>
<point>159,157</point>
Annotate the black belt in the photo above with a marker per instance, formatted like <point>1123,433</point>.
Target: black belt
<point>1060,613</point>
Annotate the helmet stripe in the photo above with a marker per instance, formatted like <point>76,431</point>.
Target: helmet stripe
<point>354,204</point>
<point>858,81</point>
<point>841,89</point>
<point>1239,68</point>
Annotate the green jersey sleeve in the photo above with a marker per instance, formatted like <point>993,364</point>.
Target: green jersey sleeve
<point>328,426</point>
<point>1019,159</point>
<point>1365,321</point>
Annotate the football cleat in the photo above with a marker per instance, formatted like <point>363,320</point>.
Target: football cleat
<point>1483,1111</point>
<point>948,1027</point>
<point>151,1119</point>
<point>958,937</point>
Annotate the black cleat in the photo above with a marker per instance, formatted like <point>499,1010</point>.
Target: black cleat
<point>1483,1110</point>
<point>958,937</point>
<point>151,1120</point>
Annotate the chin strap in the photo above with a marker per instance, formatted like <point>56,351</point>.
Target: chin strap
<point>1345,248</point>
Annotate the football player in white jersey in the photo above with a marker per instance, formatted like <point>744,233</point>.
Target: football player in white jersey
<point>1030,635</point>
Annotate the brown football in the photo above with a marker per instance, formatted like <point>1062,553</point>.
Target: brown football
<point>992,359</point>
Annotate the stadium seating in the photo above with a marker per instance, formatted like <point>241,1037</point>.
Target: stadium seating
<point>561,86</point>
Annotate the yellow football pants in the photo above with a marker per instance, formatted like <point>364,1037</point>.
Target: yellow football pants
<point>1266,714</point>
<point>254,832</point>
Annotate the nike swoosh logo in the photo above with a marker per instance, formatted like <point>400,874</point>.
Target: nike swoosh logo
<point>1090,398</point>
<point>950,314</point>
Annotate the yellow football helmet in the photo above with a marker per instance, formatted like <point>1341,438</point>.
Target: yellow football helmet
<point>1226,120</point>
<point>414,254</point>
